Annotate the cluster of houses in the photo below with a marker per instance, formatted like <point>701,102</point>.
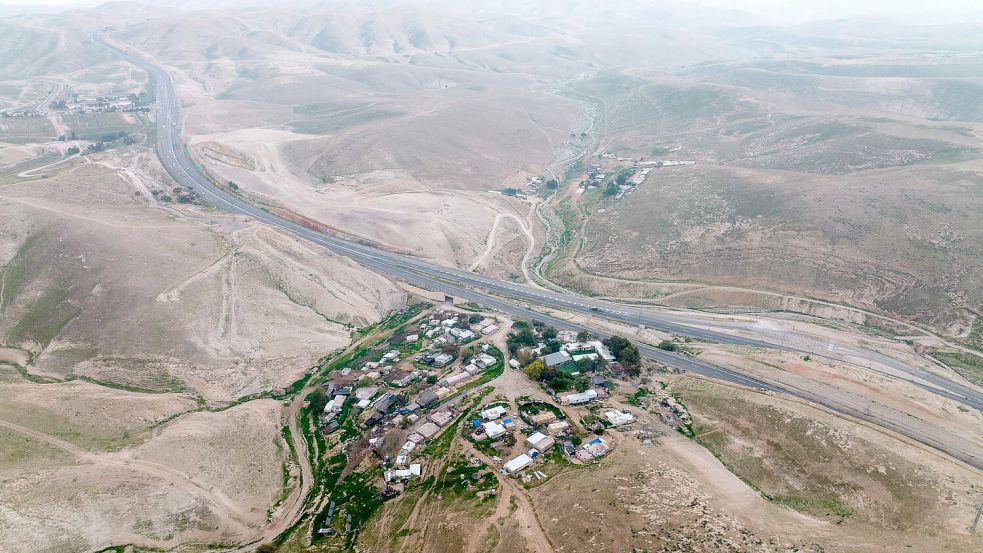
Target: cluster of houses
<point>638,171</point>
<point>391,391</point>
<point>82,103</point>
<point>494,424</point>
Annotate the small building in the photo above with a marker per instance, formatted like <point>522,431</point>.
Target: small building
<point>443,359</point>
<point>462,335</point>
<point>493,429</point>
<point>441,417</point>
<point>428,430</point>
<point>384,402</point>
<point>557,427</point>
<point>557,359</point>
<point>411,338</point>
<point>406,380</point>
<point>427,398</point>
<point>514,363</point>
<point>455,379</point>
<point>335,404</point>
<point>366,392</point>
<point>472,369</point>
<point>543,417</point>
<point>363,404</point>
<point>592,450</point>
<point>618,418</point>
<point>484,361</point>
<point>540,441</point>
<point>401,475</point>
<point>490,329</point>
<point>493,413</point>
<point>374,419</point>
<point>517,464</point>
<point>579,398</point>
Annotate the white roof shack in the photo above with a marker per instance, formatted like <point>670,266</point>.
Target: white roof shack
<point>517,464</point>
<point>514,363</point>
<point>493,429</point>
<point>490,329</point>
<point>617,418</point>
<point>472,369</point>
<point>410,338</point>
<point>577,399</point>
<point>335,404</point>
<point>540,441</point>
<point>413,471</point>
<point>443,359</point>
<point>456,378</point>
<point>484,361</point>
<point>493,413</point>
<point>462,335</point>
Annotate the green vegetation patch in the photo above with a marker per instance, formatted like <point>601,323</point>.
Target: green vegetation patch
<point>968,366</point>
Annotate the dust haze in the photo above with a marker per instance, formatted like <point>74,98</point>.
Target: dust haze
<point>268,302</point>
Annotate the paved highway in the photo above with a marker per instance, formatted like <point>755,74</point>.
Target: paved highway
<point>509,297</point>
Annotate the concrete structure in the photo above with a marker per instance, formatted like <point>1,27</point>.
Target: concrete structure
<point>443,359</point>
<point>557,427</point>
<point>592,450</point>
<point>484,361</point>
<point>577,399</point>
<point>493,429</point>
<point>493,413</point>
<point>617,418</point>
<point>540,441</point>
<point>428,430</point>
<point>413,471</point>
<point>517,464</point>
<point>543,417</point>
<point>441,417</point>
<point>366,392</point>
<point>490,329</point>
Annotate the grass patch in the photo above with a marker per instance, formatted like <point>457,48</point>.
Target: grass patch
<point>968,366</point>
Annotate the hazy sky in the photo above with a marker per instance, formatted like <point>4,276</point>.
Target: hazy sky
<point>801,10</point>
<point>792,11</point>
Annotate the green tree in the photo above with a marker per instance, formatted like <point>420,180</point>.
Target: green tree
<point>668,345</point>
<point>549,333</point>
<point>266,548</point>
<point>317,401</point>
<point>611,189</point>
<point>535,369</point>
<point>583,336</point>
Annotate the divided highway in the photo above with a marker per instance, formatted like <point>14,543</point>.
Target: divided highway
<point>513,298</point>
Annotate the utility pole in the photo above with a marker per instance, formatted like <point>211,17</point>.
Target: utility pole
<point>979,513</point>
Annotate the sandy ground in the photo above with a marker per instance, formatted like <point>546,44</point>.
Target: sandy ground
<point>207,477</point>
